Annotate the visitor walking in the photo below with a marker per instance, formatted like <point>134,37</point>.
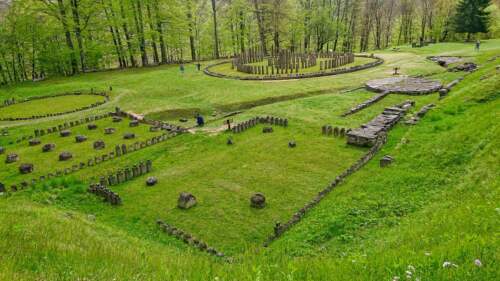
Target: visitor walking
<point>181,68</point>
<point>478,45</point>
<point>198,66</point>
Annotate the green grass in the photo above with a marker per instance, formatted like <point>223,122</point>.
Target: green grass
<point>436,203</point>
<point>57,105</point>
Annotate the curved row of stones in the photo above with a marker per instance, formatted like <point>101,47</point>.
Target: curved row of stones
<point>245,125</point>
<point>366,104</point>
<point>188,238</point>
<point>13,101</point>
<point>285,62</point>
<point>327,72</point>
<point>119,150</point>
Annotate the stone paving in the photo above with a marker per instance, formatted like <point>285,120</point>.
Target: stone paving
<point>404,85</point>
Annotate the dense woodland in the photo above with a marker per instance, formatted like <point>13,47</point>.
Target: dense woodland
<point>41,38</point>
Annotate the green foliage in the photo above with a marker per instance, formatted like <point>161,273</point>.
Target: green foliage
<point>472,17</point>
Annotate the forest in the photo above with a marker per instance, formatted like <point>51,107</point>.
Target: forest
<point>42,38</point>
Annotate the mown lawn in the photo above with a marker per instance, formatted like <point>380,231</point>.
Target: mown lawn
<point>436,203</point>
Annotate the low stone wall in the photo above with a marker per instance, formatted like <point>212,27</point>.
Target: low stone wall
<point>419,115</point>
<point>378,61</point>
<point>12,102</point>
<point>108,195</point>
<point>446,89</point>
<point>126,174</point>
<point>366,104</point>
<point>328,130</point>
<point>245,125</point>
<point>280,229</point>
<point>188,238</point>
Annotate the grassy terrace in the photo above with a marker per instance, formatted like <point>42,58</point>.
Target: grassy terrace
<point>436,203</point>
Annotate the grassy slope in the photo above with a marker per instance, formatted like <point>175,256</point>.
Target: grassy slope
<point>384,219</point>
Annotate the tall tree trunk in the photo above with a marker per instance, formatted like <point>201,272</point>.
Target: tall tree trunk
<point>115,36</point>
<point>159,29</point>
<point>156,58</point>
<point>190,29</point>
<point>242,32</point>
<point>260,24</point>
<point>78,32</point>
<point>216,32</point>
<point>127,35</point>
<point>139,24</point>
<point>67,33</point>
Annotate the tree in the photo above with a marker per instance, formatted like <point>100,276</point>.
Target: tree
<point>471,17</point>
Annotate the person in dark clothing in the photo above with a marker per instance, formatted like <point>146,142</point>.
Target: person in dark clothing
<point>199,120</point>
<point>198,66</point>
<point>478,45</point>
<point>181,68</point>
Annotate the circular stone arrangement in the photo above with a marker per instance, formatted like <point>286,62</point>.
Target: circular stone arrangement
<point>265,68</point>
<point>9,110</point>
<point>404,85</point>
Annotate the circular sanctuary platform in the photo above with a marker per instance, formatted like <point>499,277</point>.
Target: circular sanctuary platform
<point>49,106</point>
<point>258,67</point>
<point>404,85</point>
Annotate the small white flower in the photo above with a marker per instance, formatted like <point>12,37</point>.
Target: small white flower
<point>395,278</point>
<point>409,273</point>
<point>411,268</point>
<point>448,264</point>
<point>478,263</point>
<point>427,253</point>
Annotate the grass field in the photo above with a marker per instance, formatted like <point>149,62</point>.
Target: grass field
<point>438,202</point>
<point>57,105</point>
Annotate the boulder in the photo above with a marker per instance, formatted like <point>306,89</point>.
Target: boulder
<point>48,147</point>
<point>186,200</point>
<point>34,142</point>
<point>258,201</point>
<point>267,130</point>
<point>11,158</point>
<point>292,144</point>
<point>134,123</point>
<point>80,138</point>
<point>26,168</point>
<point>92,126</point>
<point>151,181</point>
<point>99,144</point>
<point>65,156</point>
<point>129,136</point>
<point>230,142</point>
<point>65,133</point>
<point>109,131</point>
<point>386,161</point>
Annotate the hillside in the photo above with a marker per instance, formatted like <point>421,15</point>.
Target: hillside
<point>433,212</point>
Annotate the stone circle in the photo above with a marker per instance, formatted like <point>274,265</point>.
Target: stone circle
<point>80,138</point>
<point>48,147</point>
<point>65,156</point>
<point>34,142</point>
<point>65,133</point>
<point>26,168</point>
<point>258,201</point>
<point>151,181</point>
<point>109,131</point>
<point>186,200</point>
<point>99,144</point>
<point>129,136</point>
<point>11,158</point>
<point>404,85</point>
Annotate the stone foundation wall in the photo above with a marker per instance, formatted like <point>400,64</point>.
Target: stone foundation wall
<point>243,126</point>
